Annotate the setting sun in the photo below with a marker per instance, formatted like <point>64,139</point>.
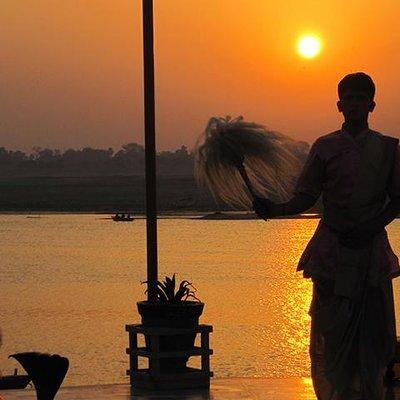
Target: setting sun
<point>309,46</point>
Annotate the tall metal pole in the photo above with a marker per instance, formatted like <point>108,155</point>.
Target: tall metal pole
<point>150,148</point>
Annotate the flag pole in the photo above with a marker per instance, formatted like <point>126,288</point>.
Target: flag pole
<point>150,149</point>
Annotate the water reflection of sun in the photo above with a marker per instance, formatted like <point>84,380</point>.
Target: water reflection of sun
<point>298,298</point>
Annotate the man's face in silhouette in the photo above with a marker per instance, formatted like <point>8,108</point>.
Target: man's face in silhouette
<point>355,105</point>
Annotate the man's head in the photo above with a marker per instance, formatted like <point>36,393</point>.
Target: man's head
<point>356,97</point>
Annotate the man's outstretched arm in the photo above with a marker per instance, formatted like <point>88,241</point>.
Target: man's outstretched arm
<point>307,191</point>
<point>298,204</point>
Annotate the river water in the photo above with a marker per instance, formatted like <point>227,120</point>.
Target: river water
<point>70,283</point>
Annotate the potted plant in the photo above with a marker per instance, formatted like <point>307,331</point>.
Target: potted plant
<point>173,309</point>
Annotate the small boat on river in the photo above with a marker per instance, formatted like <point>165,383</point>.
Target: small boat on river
<point>122,217</point>
<point>15,381</point>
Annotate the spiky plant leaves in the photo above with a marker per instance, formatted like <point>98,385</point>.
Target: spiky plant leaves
<point>166,290</point>
<point>162,291</point>
<point>169,287</point>
<point>181,292</point>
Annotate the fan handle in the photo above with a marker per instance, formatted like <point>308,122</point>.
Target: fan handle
<point>245,177</point>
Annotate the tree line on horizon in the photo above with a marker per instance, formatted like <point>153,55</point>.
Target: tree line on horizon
<point>129,160</point>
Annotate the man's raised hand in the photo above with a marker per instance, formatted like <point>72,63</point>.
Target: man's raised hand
<point>263,207</point>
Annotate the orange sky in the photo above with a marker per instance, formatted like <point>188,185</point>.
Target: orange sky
<point>71,71</point>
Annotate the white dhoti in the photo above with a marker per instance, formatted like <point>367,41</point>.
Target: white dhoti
<point>352,341</point>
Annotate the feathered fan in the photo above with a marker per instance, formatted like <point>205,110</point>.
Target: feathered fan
<point>238,160</point>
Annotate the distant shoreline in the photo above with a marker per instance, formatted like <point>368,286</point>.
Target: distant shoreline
<point>194,215</point>
<point>176,195</point>
<point>217,216</point>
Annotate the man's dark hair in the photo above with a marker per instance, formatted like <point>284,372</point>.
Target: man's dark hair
<point>357,81</point>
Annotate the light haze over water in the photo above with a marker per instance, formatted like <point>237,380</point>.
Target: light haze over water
<point>70,283</point>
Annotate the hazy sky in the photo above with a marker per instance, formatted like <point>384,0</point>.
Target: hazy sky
<point>71,70</point>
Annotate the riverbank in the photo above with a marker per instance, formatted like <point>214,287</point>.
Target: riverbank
<point>108,194</point>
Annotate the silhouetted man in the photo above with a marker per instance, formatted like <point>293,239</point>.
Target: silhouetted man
<point>349,258</point>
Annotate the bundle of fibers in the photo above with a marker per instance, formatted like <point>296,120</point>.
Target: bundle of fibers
<point>227,144</point>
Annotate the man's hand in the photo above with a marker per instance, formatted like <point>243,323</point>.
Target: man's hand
<point>360,236</point>
<point>263,207</point>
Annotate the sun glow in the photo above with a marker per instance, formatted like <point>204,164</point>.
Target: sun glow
<point>309,46</point>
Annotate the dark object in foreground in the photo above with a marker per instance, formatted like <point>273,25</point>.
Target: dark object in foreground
<point>8,382</point>
<point>46,371</point>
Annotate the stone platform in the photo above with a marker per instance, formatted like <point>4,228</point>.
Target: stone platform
<point>221,389</point>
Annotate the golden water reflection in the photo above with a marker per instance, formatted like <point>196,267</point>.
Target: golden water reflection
<point>70,283</point>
